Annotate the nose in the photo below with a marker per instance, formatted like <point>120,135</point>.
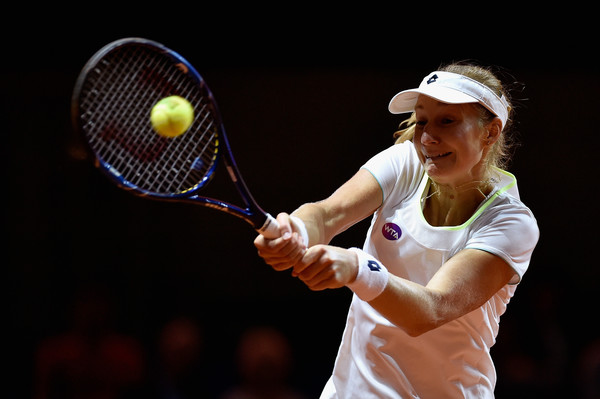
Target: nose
<point>427,138</point>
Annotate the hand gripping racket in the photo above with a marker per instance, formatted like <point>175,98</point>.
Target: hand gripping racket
<point>111,105</point>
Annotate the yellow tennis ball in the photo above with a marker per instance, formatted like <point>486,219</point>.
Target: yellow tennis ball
<point>172,116</point>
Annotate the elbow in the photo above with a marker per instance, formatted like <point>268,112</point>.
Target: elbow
<point>419,323</point>
<point>417,311</point>
<point>418,329</point>
<point>415,332</point>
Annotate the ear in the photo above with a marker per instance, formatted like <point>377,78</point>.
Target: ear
<point>493,130</point>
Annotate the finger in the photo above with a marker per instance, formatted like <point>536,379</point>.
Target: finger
<point>280,266</point>
<point>327,277</point>
<point>260,242</point>
<point>304,262</point>
<point>318,279</point>
<point>285,229</point>
<point>285,226</point>
<point>282,255</point>
<point>310,259</point>
<point>281,247</point>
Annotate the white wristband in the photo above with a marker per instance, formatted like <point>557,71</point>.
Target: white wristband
<point>372,276</point>
<point>301,227</point>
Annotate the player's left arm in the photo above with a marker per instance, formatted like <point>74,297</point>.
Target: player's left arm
<point>355,200</point>
<point>464,283</point>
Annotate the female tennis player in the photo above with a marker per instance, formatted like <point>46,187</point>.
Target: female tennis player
<point>448,244</point>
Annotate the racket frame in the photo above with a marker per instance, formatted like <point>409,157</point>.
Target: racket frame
<point>253,214</point>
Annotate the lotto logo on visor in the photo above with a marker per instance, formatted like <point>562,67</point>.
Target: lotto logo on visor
<point>432,79</point>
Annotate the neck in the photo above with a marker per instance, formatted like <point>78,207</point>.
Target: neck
<point>448,205</point>
<point>465,190</point>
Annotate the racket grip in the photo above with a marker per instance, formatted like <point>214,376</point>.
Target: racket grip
<point>270,228</point>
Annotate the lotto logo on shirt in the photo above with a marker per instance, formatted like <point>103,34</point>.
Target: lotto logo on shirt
<point>391,231</point>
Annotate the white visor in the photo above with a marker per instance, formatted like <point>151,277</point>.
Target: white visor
<point>451,88</point>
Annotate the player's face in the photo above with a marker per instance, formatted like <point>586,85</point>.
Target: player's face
<point>449,139</point>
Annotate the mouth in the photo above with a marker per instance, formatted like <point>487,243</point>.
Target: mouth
<point>435,157</point>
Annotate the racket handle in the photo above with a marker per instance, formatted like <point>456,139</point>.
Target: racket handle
<point>270,228</point>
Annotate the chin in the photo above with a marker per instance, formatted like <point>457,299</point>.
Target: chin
<point>434,172</point>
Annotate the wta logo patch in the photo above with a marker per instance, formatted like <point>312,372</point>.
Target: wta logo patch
<point>391,231</point>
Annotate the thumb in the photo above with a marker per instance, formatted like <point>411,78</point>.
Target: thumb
<point>285,227</point>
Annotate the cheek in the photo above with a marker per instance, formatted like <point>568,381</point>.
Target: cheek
<point>419,148</point>
<point>469,153</point>
<point>472,157</point>
<point>470,141</point>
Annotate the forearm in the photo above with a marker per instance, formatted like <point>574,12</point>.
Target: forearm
<point>355,200</point>
<point>462,284</point>
<point>411,306</point>
<point>322,224</point>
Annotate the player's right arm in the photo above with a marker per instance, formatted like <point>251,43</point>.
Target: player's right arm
<point>354,201</point>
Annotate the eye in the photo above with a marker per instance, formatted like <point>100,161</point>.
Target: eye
<point>447,121</point>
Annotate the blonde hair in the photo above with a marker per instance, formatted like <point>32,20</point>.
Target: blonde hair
<point>499,154</point>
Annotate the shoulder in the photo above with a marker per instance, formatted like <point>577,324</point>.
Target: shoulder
<point>401,151</point>
<point>510,214</point>
<point>506,203</point>
<point>508,229</point>
<point>397,164</point>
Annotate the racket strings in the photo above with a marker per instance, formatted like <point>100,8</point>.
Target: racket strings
<point>165,179</point>
<point>192,157</point>
<point>115,104</point>
<point>143,147</point>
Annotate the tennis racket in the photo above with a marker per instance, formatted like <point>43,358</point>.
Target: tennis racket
<point>111,104</point>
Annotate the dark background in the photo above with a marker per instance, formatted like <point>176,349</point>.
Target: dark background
<point>304,97</point>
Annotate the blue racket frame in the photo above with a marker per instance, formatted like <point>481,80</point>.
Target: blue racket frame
<point>82,119</point>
